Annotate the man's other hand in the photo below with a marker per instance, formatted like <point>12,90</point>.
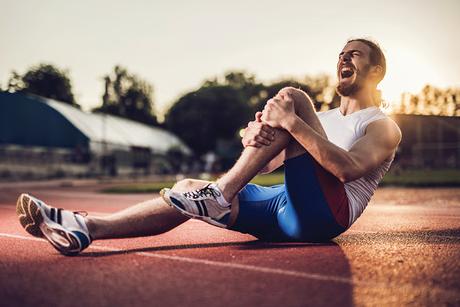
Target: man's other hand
<point>258,134</point>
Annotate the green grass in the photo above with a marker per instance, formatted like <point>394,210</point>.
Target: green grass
<point>149,187</point>
<point>154,187</point>
<point>408,178</point>
<point>423,178</point>
<point>269,179</point>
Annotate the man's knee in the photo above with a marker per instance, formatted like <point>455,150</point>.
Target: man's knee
<point>184,184</point>
<point>189,184</point>
<point>292,91</point>
<point>300,97</point>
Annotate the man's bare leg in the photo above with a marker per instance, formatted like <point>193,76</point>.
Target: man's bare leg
<point>149,218</point>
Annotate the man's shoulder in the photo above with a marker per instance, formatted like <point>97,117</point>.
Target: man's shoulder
<point>385,127</point>
<point>385,123</point>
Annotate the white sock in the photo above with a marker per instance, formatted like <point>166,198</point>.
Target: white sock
<point>73,221</point>
<point>220,199</point>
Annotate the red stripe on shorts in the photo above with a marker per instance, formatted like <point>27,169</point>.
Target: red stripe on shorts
<point>334,192</point>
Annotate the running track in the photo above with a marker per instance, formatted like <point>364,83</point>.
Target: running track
<point>404,250</point>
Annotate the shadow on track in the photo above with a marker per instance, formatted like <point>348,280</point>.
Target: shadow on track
<point>317,273</point>
<point>426,236</point>
<point>242,245</point>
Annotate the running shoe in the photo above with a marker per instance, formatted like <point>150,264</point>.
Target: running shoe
<point>65,230</point>
<point>206,204</point>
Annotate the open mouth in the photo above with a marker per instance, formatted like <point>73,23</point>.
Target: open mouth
<point>346,72</point>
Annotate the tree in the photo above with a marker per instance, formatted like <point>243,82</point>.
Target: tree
<point>431,101</point>
<point>319,88</point>
<point>323,91</point>
<point>44,80</point>
<point>212,113</point>
<point>241,81</point>
<point>212,116</point>
<point>127,95</point>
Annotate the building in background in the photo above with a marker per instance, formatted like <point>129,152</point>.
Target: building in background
<point>428,141</point>
<point>42,137</point>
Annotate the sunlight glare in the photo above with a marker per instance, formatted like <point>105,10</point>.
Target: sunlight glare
<point>407,71</point>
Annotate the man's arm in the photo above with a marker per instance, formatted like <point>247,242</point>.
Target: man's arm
<point>380,141</point>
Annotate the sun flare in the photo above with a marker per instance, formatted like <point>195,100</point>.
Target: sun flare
<point>407,71</point>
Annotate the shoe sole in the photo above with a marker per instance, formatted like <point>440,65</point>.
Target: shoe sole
<point>30,215</point>
<point>63,241</point>
<point>206,219</point>
<point>32,220</point>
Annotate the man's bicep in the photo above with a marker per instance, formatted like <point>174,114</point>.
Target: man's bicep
<point>379,143</point>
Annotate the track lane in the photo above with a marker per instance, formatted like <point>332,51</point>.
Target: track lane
<point>393,255</point>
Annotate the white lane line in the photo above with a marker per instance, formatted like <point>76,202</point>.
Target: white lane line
<point>246,267</point>
<point>8,235</point>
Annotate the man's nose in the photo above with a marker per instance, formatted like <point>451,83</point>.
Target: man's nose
<point>346,57</point>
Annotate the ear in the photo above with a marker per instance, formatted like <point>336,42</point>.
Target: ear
<point>377,70</point>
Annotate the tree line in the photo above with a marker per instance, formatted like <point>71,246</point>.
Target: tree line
<point>210,117</point>
<point>430,101</point>
<point>125,94</point>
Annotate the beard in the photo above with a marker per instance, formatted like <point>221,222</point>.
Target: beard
<point>348,89</point>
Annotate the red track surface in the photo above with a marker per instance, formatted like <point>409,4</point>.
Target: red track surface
<point>404,250</point>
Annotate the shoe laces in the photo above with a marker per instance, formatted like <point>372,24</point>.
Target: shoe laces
<point>207,191</point>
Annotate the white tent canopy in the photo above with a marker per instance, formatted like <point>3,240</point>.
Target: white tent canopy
<point>117,132</point>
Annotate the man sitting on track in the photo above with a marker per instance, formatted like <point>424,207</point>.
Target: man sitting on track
<point>333,162</point>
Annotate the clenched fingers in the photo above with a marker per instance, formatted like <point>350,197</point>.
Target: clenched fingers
<point>258,134</point>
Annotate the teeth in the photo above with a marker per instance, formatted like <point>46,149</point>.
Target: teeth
<point>346,72</point>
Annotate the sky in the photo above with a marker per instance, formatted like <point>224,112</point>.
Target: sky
<point>176,45</point>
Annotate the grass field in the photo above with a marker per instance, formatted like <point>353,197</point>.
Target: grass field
<point>424,178</point>
<point>149,187</point>
<point>408,178</point>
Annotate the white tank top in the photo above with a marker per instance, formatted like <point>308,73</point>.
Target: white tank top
<point>344,131</point>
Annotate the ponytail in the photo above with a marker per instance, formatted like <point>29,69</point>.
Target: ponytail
<point>378,101</point>
<point>377,98</point>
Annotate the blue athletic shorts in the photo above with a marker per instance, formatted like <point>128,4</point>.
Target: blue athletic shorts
<point>310,206</point>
